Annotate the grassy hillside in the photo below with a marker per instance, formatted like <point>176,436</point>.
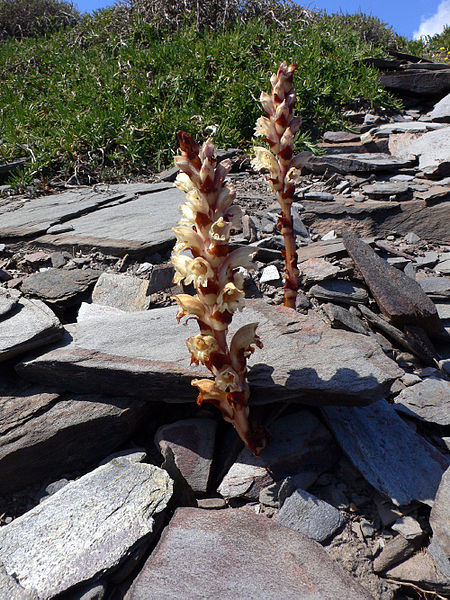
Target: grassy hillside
<point>104,99</point>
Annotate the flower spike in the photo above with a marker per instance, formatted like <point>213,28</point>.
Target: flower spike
<point>278,130</point>
<point>208,217</point>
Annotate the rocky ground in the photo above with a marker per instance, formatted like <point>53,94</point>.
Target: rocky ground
<point>115,485</point>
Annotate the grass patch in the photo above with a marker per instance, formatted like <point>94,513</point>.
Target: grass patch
<point>94,103</point>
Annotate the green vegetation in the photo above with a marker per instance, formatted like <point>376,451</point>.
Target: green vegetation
<point>103,100</point>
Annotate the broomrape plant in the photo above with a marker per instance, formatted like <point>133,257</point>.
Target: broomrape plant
<point>208,216</point>
<point>278,129</point>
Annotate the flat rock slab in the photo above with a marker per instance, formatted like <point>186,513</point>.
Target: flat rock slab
<point>399,297</point>
<point>354,163</point>
<point>441,111</point>
<point>340,137</point>
<point>310,515</point>
<point>435,287</point>
<point>385,189</point>
<point>8,299</point>
<point>11,590</point>
<point>300,443</point>
<point>121,291</point>
<point>140,225</point>
<point>428,401</point>
<point>432,150</point>
<point>388,129</point>
<point>44,435</point>
<point>192,443</point>
<point>317,269</point>
<point>144,354</point>
<point>85,529</point>
<point>35,216</point>
<point>340,290</point>
<point>29,325</point>
<point>58,286</point>
<point>262,560</point>
<point>391,457</point>
<point>417,81</point>
<point>440,524</point>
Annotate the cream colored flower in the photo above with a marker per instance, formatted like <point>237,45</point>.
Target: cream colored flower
<point>230,298</point>
<point>181,263</point>
<point>198,272</point>
<point>227,380</point>
<point>201,347</point>
<point>210,392</point>
<point>263,127</point>
<point>188,237</point>
<point>189,305</point>
<point>264,159</point>
<point>188,215</point>
<point>183,183</point>
<point>241,257</point>
<point>242,345</point>
<point>220,230</point>
<point>267,102</point>
<point>196,202</point>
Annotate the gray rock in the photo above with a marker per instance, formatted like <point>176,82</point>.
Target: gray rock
<point>137,455</point>
<point>339,137</point>
<point>310,515</point>
<point>331,235</point>
<point>36,215</point>
<point>436,287</point>
<point>440,524</point>
<point>302,357</point>
<point>299,443</point>
<point>58,260</point>
<point>315,270</point>
<point>443,267</point>
<point>354,163</point>
<point>441,110</point>
<point>160,278</point>
<point>320,196</point>
<point>342,318</point>
<point>417,81</point>
<point>92,591</point>
<point>340,290</point>
<point>271,275</point>
<point>297,223</point>
<point>403,127</point>
<point>411,238</point>
<point>57,286</point>
<point>385,189</point>
<point>85,529</point>
<point>190,557</point>
<point>10,589</point>
<point>8,299</point>
<point>134,225</point>
<point>408,527</point>
<point>121,291</point>
<point>44,435</point>
<point>433,151</point>
<point>382,460</point>
<point>192,444</point>
<point>443,310</point>
<point>29,325</point>
<point>429,259</point>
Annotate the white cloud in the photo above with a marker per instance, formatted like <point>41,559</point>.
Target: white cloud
<point>435,23</point>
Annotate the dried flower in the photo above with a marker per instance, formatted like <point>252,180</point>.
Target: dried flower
<point>208,217</point>
<point>278,130</point>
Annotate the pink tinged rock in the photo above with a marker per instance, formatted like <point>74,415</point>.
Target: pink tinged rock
<point>230,554</point>
<point>192,444</point>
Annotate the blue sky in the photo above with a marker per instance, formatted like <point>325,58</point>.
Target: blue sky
<point>407,17</point>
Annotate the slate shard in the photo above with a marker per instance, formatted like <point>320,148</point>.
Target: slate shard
<point>398,296</point>
<point>374,438</point>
